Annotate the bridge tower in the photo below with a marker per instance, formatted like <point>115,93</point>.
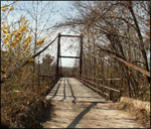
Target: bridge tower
<point>76,57</point>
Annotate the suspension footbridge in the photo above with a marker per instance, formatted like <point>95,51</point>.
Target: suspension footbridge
<point>78,101</point>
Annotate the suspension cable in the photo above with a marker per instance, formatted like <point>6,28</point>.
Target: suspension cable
<point>38,53</point>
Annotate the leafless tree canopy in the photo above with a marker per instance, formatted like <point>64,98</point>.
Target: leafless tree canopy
<point>116,41</point>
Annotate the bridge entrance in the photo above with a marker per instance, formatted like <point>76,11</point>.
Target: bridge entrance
<point>60,72</point>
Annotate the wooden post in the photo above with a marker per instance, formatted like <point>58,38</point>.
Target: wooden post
<point>38,72</point>
<point>58,55</point>
<point>94,49</point>
<point>81,52</point>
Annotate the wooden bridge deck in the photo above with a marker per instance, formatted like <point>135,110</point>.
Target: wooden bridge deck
<point>76,106</point>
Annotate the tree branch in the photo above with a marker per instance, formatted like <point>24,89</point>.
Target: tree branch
<point>120,58</point>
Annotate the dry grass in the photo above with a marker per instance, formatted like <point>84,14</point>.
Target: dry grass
<point>141,115</point>
<point>21,106</point>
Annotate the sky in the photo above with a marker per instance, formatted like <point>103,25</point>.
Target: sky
<point>57,9</point>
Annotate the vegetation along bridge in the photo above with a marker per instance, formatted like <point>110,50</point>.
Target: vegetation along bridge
<point>78,99</point>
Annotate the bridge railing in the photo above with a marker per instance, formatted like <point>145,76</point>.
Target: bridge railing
<point>46,65</point>
<point>51,81</point>
<point>106,91</point>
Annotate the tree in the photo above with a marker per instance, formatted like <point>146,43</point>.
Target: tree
<point>40,14</point>
<point>45,66</point>
<point>16,40</point>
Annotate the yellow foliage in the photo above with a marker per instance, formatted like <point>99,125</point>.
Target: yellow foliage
<point>14,32</point>
<point>23,28</point>
<point>5,41</point>
<point>5,28</point>
<point>22,19</point>
<point>41,42</point>
<point>11,9</point>
<point>5,8</point>
<point>15,36</point>
<point>28,40</point>
<point>18,34</point>
<point>8,37</point>
<point>25,22</point>
<point>13,43</point>
<point>4,31</point>
<point>18,39</point>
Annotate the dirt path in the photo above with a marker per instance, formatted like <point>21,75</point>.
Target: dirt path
<point>76,106</point>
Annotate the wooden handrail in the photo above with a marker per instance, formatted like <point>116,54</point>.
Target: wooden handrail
<point>101,79</point>
<point>96,89</point>
<point>103,86</point>
<point>62,35</point>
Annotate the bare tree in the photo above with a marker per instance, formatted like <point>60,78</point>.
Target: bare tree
<point>119,30</point>
<point>40,13</point>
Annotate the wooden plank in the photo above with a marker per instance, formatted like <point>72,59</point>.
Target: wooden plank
<point>81,53</point>
<point>62,35</point>
<point>58,54</point>
<point>69,57</point>
<point>118,79</point>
